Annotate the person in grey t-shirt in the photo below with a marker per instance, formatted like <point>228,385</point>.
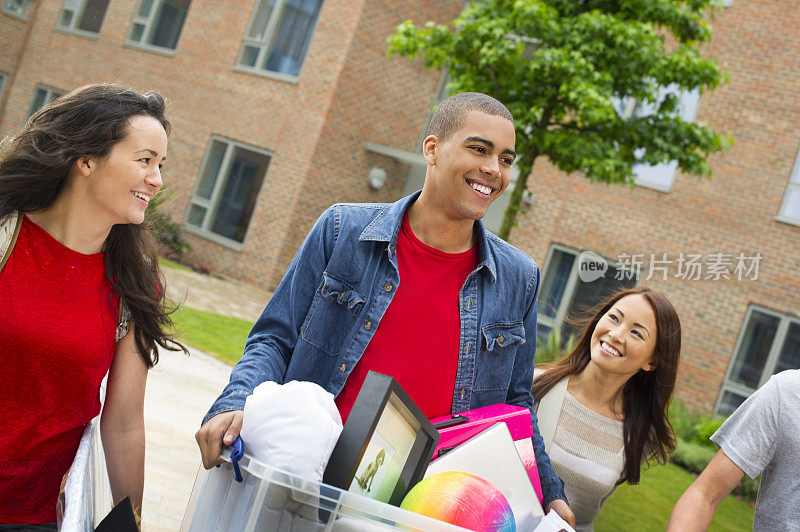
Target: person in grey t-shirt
<point>761,436</point>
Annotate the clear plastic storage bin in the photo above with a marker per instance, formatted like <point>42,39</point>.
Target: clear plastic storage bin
<point>272,500</point>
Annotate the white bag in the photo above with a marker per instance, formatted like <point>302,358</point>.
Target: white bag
<point>86,499</point>
<point>292,427</point>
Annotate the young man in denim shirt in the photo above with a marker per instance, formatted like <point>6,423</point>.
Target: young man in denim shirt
<point>417,289</point>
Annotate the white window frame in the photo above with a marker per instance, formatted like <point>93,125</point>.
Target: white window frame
<point>149,23</point>
<point>793,185</point>
<point>265,43</point>
<point>50,95</point>
<point>661,176</point>
<point>569,288</point>
<point>769,364</point>
<point>212,203</point>
<point>21,13</point>
<point>77,13</point>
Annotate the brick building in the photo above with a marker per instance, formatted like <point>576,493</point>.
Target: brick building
<point>282,95</point>
<point>282,108</point>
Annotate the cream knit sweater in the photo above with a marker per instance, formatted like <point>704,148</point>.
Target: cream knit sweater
<point>587,453</point>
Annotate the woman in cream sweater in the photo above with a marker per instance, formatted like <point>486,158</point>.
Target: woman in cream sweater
<point>603,408</point>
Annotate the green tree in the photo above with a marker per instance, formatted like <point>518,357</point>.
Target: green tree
<point>564,68</point>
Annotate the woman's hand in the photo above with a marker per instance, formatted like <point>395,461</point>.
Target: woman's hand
<point>561,507</point>
<point>122,422</point>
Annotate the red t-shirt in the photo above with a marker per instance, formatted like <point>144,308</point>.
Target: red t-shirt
<point>418,338</point>
<point>58,317</point>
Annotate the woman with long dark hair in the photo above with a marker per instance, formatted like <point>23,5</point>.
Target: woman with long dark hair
<point>80,292</point>
<point>603,408</point>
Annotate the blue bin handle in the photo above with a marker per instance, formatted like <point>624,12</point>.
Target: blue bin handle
<point>236,454</point>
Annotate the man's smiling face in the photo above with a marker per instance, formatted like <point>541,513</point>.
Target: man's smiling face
<point>470,169</point>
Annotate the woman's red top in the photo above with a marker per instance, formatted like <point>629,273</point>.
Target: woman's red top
<point>58,318</point>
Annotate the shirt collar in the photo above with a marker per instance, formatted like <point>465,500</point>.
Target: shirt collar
<point>386,226</point>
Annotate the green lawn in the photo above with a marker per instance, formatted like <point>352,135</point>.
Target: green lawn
<point>166,263</point>
<point>218,335</point>
<point>647,506</point>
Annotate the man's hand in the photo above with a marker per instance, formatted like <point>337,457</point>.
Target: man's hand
<point>222,428</point>
<point>561,507</point>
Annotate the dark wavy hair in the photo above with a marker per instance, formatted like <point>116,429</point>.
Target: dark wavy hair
<point>35,163</point>
<point>647,431</point>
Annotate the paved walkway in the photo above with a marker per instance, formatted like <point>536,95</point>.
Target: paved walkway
<point>223,296</point>
<point>180,390</point>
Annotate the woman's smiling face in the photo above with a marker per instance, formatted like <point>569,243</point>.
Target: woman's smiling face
<point>624,339</point>
<point>123,183</point>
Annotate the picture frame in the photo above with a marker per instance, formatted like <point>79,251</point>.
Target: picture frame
<point>386,443</point>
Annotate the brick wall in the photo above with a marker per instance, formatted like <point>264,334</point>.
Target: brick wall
<point>13,35</point>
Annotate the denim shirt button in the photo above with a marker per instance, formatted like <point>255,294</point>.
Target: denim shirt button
<point>368,325</point>
<point>343,368</point>
<point>387,287</point>
<point>500,339</point>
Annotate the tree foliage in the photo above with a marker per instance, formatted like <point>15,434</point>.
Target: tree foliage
<point>562,67</point>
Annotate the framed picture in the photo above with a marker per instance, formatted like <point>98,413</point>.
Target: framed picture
<point>386,444</point>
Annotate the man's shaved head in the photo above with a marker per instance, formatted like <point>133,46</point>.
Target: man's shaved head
<point>449,116</point>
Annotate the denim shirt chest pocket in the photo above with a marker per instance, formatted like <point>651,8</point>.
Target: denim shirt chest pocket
<point>495,362</point>
<point>333,311</point>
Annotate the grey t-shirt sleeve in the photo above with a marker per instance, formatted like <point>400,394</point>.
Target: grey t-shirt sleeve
<point>749,436</point>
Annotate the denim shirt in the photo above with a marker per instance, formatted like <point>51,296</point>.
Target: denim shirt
<point>335,291</point>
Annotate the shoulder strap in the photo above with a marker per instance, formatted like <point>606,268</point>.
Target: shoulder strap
<point>9,231</point>
<point>124,322</point>
<point>549,411</point>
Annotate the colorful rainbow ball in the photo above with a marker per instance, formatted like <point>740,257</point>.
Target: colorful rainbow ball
<point>461,499</point>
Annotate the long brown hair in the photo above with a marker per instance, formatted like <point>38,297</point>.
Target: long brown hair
<point>34,166</point>
<point>647,432</point>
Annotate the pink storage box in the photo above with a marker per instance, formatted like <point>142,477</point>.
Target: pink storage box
<point>457,428</point>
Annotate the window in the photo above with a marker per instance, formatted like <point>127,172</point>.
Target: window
<point>659,176</point>
<point>564,294</point>
<point>769,343</point>
<point>17,8</point>
<point>83,15</point>
<point>158,23</point>
<point>42,97</point>
<point>790,208</point>
<point>3,77</point>
<point>279,34</point>
<point>227,190</point>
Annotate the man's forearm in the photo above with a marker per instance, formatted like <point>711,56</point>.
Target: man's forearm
<point>696,507</point>
<point>258,364</point>
<point>693,512</point>
<point>552,485</point>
